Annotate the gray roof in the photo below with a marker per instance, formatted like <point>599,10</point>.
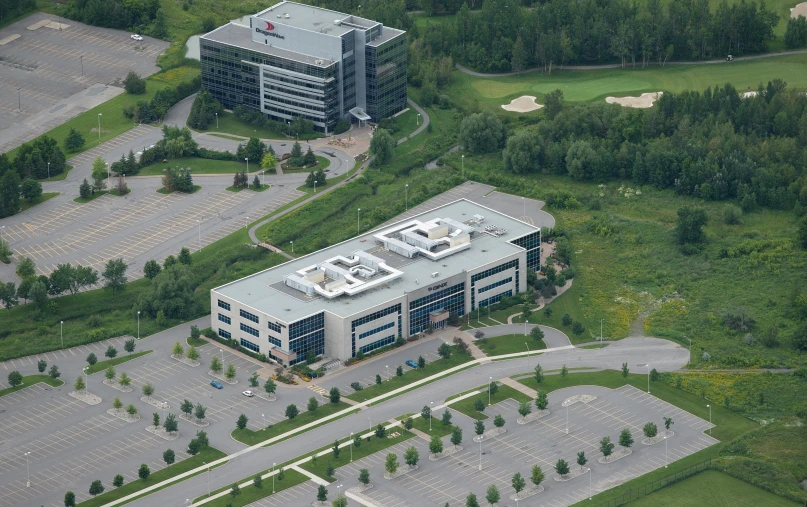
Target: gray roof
<point>314,19</point>
<point>265,291</point>
<point>387,34</point>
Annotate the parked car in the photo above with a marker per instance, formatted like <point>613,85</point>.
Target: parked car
<point>216,384</point>
<point>411,363</point>
<point>730,58</point>
<point>137,37</point>
<point>247,393</point>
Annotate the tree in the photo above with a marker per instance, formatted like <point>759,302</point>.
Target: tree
<point>399,371</point>
<point>493,388</point>
<point>313,404</point>
<point>625,438</point>
<point>567,319</point>
<point>241,423</point>
<point>481,133</point>
<point>41,365</point>
<point>8,294</point>
<point>111,352</point>
<point>382,146</point>
<point>269,161</point>
<point>518,482</point>
<point>178,351</point>
<point>309,158</point>
<point>456,436</point>
<point>690,223</point>
<point>114,275</point>
<point>134,84</point>
<point>192,354</point>
<point>147,390</point>
<point>421,362</point>
<point>26,268</point>
<point>606,446</point>
<point>117,481</point>
<point>446,418</point>
<point>435,445</point>
<point>31,189</point>
<point>9,193</point>
<point>155,420</point>
<point>471,501</point>
<point>74,141</point>
<point>444,350</point>
<point>258,481</point>
<point>168,457</point>
<point>96,488</point>
<point>84,190</point>
<point>39,294</point>
<point>281,475</point>
<point>54,372</point>
<point>541,401</point>
<point>498,421</point>
<point>230,373</point>
<point>79,385</point>
<point>802,234</point>
<point>479,427</point>
<point>654,375</point>
<point>411,457</point>
<point>391,463</point>
<point>539,374</point>
<point>426,412</point>
<point>269,386</point>
<point>169,261</point>
<point>14,378</point>
<point>357,441</point>
<point>377,379</point>
<point>110,373</point>
<point>199,411</point>
<point>380,431</point>
<point>215,365</point>
<point>322,493</point>
<point>187,407</point>
<point>479,405</point>
<point>562,467</point>
<point>335,449</point>
<point>537,476</point>
<point>524,408</point>
<point>171,425</point>
<point>625,370</point>
<point>69,499</point>
<point>99,173</point>
<point>564,371</point>
<point>335,395</point>
<point>291,411</point>
<point>667,423</point>
<point>193,447</point>
<point>553,103</point>
<point>364,476</point>
<point>492,495</point>
<point>129,345</point>
<point>650,430</point>
<point>581,459</point>
<point>253,380</point>
<point>537,334</point>
<point>235,490</point>
<point>184,256</point>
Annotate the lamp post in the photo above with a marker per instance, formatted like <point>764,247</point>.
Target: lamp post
<point>48,170</point>
<point>99,126</point>
<point>351,447</point>
<point>431,403</point>
<point>601,330</point>
<point>217,121</point>
<point>589,483</point>
<point>246,219</point>
<point>19,100</point>
<point>199,236</point>
<point>710,419</point>
<point>358,222</point>
<point>388,377</point>
<point>1,231</point>
<point>690,350</point>
<point>82,65</point>
<point>528,355</point>
<point>463,166</point>
<point>490,382</point>
<point>665,450</point>
<point>138,324</point>
<point>263,416</point>
<point>526,321</point>
<point>208,478</point>
<point>523,208</point>
<point>480,454</point>
<point>292,246</point>
<point>86,380</point>
<point>27,471</point>
<point>417,120</point>
<point>273,477</point>
<point>648,378</point>
<point>567,419</point>
<point>61,331</point>
<point>315,186</point>
<point>108,175</point>
<point>406,194</point>
<point>247,159</point>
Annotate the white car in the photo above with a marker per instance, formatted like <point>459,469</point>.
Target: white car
<point>137,37</point>
<point>248,394</point>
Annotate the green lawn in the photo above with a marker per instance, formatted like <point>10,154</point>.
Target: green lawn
<point>466,406</point>
<point>407,123</point>
<point>365,449</point>
<point>46,196</point>
<point>229,124</point>
<point>410,376</point>
<point>165,191</point>
<point>198,166</point>
<point>594,346</point>
<point>437,428</point>
<point>196,342</point>
<point>509,344</point>
<point>249,437</point>
<point>29,380</point>
<point>92,197</point>
<point>252,494</point>
<point>63,175</point>
<point>231,138</point>
<point>322,163</point>
<point>252,188</point>
<point>714,489</point>
<point>120,359</point>
<point>206,455</point>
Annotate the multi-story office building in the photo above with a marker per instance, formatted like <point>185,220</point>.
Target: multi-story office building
<point>362,294</point>
<point>296,60</point>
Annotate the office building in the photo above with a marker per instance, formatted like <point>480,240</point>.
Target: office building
<point>399,280</point>
<point>294,60</point>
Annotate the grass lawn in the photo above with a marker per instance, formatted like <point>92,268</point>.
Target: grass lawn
<point>407,123</point>
<point>367,448</point>
<point>509,344</point>
<point>92,197</point>
<point>410,376</point>
<point>165,191</point>
<point>589,85</point>
<point>26,204</point>
<point>322,163</point>
<point>197,165</point>
<point>437,428</point>
<point>236,190</point>
<point>252,494</point>
<point>466,406</point>
<point>231,138</point>
<point>206,455</point>
<point>29,380</point>
<point>103,365</point>
<point>63,175</point>
<point>250,437</point>
<point>594,346</point>
<point>196,342</point>
<point>712,488</point>
<point>229,124</point>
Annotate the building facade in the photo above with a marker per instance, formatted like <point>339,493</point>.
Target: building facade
<point>294,60</point>
<point>362,294</point>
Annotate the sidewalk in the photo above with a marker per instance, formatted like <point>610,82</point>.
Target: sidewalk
<point>518,386</point>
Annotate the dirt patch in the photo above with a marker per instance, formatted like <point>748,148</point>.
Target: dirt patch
<point>644,100</point>
<point>523,104</point>
<point>799,10</point>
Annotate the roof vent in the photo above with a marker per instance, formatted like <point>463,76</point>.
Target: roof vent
<point>287,16</point>
<point>435,274</point>
<point>337,22</point>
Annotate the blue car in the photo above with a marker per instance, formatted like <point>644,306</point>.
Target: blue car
<point>411,363</point>
<point>216,384</point>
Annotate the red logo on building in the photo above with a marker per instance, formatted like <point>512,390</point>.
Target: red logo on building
<point>269,26</point>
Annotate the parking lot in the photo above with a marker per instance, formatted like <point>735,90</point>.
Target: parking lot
<point>51,59</point>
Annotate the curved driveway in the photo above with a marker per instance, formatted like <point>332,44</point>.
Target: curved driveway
<point>552,337</point>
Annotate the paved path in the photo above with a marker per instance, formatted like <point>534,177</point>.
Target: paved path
<point>518,386</point>
<point>617,65</point>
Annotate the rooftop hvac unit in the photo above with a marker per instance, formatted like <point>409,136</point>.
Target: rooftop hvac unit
<point>435,274</point>
<point>287,16</point>
<point>337,22</point>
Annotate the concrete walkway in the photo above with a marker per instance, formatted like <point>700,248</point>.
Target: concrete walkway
<point>518,386</point>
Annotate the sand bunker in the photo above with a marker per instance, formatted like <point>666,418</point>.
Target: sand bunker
<point>644,100</point>
<point>799,10</point>
<point>523,104</point>
<point>745,95</point>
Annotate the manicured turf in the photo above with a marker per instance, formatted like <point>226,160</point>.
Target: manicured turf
<point>437,428</point>
<point>252,494</point>
<point>63,175</point>
<point>29,380</point>
<point>509,344</point>
<point>410,376</point>
<point>46,196</point>
<point>466,406</point>
<point>322,163</point>
<point>103,365</point>
<point>714,489</point>
<point>165,191</point>
<point>229,124</point>
<point>206,455</point>
<point>250,437</point>
<point>196,342</point>
<point>198,166</point>
<point>92,197</point>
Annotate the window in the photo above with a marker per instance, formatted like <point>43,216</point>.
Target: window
<point>225,334</point>
<point>250,330</point>
<point>532,243</point>
<point>496,284</point>
<point>225,305</point>
<point>248,344</point>
<point>274,327</point>
<point>389,340</point>
<point>307,335</point>
<point>490,272</point>
<point>225,319</point>
<point>495,299</point>
<point>451,299</point>
<point>371,317</point>
<point>376,330</point>
<point>275,341</point>
<point>249,316</point>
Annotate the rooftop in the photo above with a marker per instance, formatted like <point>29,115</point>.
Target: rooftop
<point>314,19</point>
<point>268,291</point>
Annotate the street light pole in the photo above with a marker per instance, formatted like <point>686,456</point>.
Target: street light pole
<point>490,381</point>
<point>665,450</point>
<point>82,65</point>
<point>246,219</point>
<point>217,121</point>
<point>208,478</point>
<point>710,419</point>
<point>27,471</point>
<point>431,403</point>
<point>247,159</point>
<point>292,246</point>
<point>351,447</point>
<point>138,324</point>
<point>48,170</point>
<point>690,349</point>
<point>567,419</point>
<point>406,193</point>
<point>199,223</point>
<point>388,377</point>
<point>273,477</point>
<point>315,186</point>
<point>528,355</point>
<point>589,483</point>
<point>61,331</point>
<point>601,330</point>
<point>358,222</point>
<point>463,166</point>
<point>648,378</point>
<point>19,100</point>
<point>371,423</point>
<point>417,120</point>
<point>99,126</point>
